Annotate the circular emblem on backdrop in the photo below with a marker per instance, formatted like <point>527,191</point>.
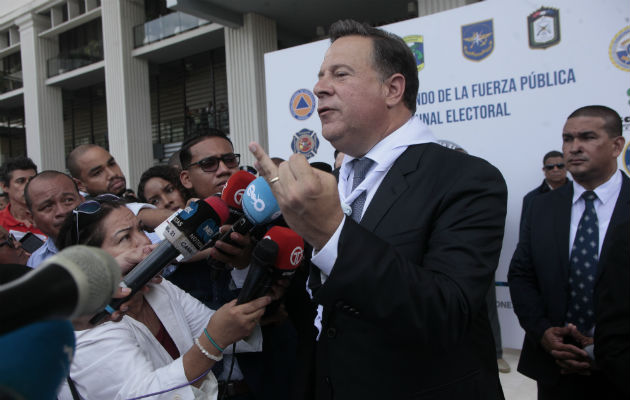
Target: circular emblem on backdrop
<point>305,142</point>
<point>619,50</point>
<point>416,44</point>
<point>626,158</point>
<point>302,104</point>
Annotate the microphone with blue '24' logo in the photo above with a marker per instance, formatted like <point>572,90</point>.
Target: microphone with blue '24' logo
<point>259,204</point>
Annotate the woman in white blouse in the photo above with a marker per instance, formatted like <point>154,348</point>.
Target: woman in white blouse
<point>167,341</point>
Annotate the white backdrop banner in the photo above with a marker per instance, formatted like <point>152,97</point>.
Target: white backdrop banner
<point>498,78</point>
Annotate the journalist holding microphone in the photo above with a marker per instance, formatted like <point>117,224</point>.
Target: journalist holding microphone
<point>167,341</point>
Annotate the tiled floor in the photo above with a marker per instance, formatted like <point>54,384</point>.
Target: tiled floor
<point>515,385</point>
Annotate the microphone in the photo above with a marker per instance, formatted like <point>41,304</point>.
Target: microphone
<point>276,256</point>
<point>233,193</point>
<point>36,359</point>
<point>79,280</point>
<point>259,205</point>
<point>186,234</point>
<point>263,207</point>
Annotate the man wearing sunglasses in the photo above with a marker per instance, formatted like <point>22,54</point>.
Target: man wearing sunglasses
<point>555,176</point>
<point>208,161</point>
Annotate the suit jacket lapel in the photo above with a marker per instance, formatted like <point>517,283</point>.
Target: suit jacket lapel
<point>621,214</point>
<point>393,185</point>
<point>562,226</point>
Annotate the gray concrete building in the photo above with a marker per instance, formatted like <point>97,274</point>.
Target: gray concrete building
<point>139,76</point>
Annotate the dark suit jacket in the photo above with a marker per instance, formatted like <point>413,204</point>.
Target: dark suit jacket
<point>612,310</point>
<point>404,307</point>
<point>527,200</point>
<point>539,273</point>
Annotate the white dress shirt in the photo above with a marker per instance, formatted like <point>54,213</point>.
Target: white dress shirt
<point>384,154</point>
<point>607,194</point>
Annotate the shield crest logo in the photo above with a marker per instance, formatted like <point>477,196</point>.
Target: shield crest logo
<point>544,28</point>
<point>416,44</point>
<point>478,40</point>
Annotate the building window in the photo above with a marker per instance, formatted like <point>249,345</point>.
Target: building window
<point>85,117</point>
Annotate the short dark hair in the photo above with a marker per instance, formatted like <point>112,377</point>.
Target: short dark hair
<point>165,172</point>
<point>552,153</point>
<point>201,135</point>
<point>71,159</point>
<point>12,164</point>
<point>612,120</point>
<point>90,226</point>
<point>47,174</point>
<point>390,55</point>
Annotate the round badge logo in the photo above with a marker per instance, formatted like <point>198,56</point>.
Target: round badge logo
<point>619,50</point>
<point>296,256</point>
<point>238,196</point>
<point>302,104</point>
<point>305,142</point>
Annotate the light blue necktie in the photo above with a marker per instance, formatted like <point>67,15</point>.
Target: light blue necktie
<point>360,167</point>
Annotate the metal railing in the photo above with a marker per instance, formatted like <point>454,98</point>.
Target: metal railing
<point>78,58</point>
<point>165,27</point>
<point>10,81</point>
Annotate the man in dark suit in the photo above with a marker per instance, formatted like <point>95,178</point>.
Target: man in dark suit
<point>555,266</point>
<point>403,260</point>
<point>555,176</point>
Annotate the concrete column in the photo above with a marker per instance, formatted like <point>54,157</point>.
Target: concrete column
<point>127,90</point>
<point>244,50</point>
<point>43,107</point>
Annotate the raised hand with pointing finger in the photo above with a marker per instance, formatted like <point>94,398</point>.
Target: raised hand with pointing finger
<point>308,197</point>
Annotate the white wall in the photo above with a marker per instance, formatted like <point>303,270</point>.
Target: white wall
<point>515,142</point>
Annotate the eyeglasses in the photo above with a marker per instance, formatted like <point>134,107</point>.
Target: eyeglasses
<point>90,207</point>
<point>549,167</point>
<point>211,164</point>
<point>9,241</point>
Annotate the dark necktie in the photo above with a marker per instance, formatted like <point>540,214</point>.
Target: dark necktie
<point>583,267</point>
<point>360,167</point>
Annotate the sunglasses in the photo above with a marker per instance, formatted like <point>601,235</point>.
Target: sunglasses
<point>9,241</point>
<point>90,207</point>
<point>549,167</point>
<point>211,164</point>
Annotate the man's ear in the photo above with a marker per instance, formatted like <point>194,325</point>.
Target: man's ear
<point>394,89</point>
<point>184,177</point>
<point>4,187</point>
<point>80,185</point>
<point>618,144</point>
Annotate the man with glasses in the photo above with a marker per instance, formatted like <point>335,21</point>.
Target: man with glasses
<point>50,196</point>
<point>555,176</point>
<point>208,161</point>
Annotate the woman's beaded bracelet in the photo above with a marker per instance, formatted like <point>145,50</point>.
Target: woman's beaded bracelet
<point>206,353</point>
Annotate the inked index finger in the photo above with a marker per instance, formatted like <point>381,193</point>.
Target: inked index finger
<point>265,166</point>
